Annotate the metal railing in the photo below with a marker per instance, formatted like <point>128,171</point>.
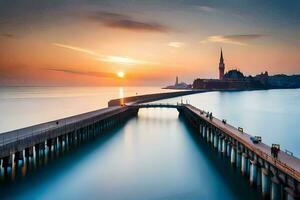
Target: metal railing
<point>53,128</point>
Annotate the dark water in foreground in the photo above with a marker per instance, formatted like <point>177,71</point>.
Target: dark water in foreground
<point>154,156</point>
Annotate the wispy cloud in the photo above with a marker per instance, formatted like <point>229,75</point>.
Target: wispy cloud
<point>233,39</point>
<point>74,48</point>
<point>116,20</point>
<point>206,8</point>
<point>104,58</point>
<point>8,35</point>
<point>88,73</point>
<point>176,44</point>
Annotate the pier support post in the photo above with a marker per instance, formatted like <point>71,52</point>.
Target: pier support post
<point>59,142</point>
<point>200,129</point>
<point>275,188</point>
<point>42,147</point>
<point>224,146</point>
<point>68,139</point>
<point>259,175</point>
<point>28,152</point>
<point>220,143</point>
<point>244,164</point>
<point>212,133</point>
<point>6,162</point>
<point>233,156</point>
<point>37,150</point>
<point>265,186</point>
<point>207,134</point>
<point>18,156</point>
<point>203,131</point>
<point>54,143</point>
<point>228,149</point>
<point>16,159</point>
<point>216,140</point>
<point>248,167</point>
<point>238,159</point>
<point>253,173</point>
<point>49,144</point>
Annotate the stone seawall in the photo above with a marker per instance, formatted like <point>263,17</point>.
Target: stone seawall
<point>151,97</point>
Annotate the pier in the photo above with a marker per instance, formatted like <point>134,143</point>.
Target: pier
<point>23,143</point>
<point>139,99</point>
<point>275,178</point>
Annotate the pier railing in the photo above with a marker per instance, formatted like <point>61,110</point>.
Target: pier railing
<point>12,140</point>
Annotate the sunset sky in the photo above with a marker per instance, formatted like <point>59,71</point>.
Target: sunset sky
<point>94,42</point>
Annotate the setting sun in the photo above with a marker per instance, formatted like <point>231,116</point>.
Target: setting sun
<point>120,74</point>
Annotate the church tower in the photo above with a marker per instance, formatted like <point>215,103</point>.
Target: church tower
<point>176,82</point>
<point>221,67</point>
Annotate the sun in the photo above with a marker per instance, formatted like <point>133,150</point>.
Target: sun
<point>120,74</point>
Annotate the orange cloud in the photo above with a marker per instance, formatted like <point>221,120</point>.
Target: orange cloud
<point>176,44</point>
<point>123,60</point>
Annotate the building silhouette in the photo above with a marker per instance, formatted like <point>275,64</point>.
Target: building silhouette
<point>221,66</point>
<point>179,85</point>
<point>232,79</point>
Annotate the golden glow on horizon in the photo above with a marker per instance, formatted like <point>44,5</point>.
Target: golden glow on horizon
<point>120,74</point>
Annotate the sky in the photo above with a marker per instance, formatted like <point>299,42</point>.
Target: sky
<point>150,42</point>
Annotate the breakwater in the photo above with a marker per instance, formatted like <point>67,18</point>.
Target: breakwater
<point>151,97</point>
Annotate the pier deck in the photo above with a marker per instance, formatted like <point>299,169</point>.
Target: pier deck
<point>17,139</point>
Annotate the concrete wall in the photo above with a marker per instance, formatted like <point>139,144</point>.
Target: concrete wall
<point>151,97</point>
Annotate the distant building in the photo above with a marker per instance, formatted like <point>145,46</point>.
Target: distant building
<point>176,82</point>
<point>221,67</point>
<point>178,85</point>
<point>233,79</point>
<point>263,77</point>
<point>234,74</point>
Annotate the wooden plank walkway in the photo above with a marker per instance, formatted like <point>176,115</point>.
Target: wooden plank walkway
<point>285,162</point>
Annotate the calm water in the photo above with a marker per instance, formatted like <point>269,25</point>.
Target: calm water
<point>25,106</point>
<point>153,156</point>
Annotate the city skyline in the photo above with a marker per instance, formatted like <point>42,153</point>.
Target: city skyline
<point>142,43</point>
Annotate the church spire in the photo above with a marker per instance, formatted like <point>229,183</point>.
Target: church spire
<point>221,66</point>
<point>221,57</point>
